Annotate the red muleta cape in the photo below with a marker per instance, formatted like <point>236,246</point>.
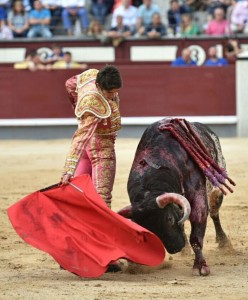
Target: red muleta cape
<point>80,232</point>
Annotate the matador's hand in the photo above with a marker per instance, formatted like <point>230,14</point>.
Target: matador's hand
<point>66,178</point>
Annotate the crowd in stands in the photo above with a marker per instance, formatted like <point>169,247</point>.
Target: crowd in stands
<point>115,20</point>
<point>232,50</point>
<point>58,59</point>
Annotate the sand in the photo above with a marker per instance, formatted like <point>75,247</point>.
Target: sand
<point>28,273</point>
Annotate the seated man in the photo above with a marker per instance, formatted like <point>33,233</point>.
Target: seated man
<point>145,13</point>
<point>39,20</point>
<point>55,9</point>
<point>4,7</point>
<point>119,32</point>
<point>213,59</point>
<point>184,60</point>
<point>100,9</point>
<point>129,14</point>
<point>156,29</point>
<point>67,63</point>
<point>74,8</point>
<point>33,62</point>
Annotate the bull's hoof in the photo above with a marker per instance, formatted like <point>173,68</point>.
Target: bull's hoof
<point>200,268</point>
<point>113,268</point>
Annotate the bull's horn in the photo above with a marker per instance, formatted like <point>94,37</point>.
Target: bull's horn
<point>167,198</point>
<point>126,212</point>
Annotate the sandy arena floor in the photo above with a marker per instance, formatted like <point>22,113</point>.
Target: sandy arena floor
<point>27,273</point>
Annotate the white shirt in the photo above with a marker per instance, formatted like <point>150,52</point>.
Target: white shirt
<point>129,15</point>
<point>4,2</point>
<point>70,3</point>
<point>51,2</point>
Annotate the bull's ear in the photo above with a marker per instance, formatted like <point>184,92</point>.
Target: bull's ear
<point>126,212</point>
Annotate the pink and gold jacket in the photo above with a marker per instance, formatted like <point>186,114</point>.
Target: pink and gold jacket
<point>96,115</point>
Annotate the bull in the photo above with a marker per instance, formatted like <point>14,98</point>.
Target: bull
<point>178,173</point>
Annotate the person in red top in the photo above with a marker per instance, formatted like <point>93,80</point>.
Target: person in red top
<point>218,26</point>
<point>95,100</point>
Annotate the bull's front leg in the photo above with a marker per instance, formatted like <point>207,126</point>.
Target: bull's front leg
<point>198,220</point>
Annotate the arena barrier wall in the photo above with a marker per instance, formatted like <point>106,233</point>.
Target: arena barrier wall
<point>152,88</point>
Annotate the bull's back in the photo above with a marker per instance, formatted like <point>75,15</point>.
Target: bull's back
<point>211,142</point>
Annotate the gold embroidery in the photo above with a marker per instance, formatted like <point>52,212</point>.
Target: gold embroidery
<point>92,102</point>
<point>85,77</point>
<point>111,124</point>
<point>70,164</point>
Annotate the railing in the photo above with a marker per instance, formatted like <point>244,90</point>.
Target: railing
<point>131,51</point>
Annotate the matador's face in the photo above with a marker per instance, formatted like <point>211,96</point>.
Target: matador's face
<point>109,95</point>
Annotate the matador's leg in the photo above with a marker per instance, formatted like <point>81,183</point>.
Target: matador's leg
<point>102,156</point>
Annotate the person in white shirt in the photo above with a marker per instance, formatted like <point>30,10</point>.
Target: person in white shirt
<point>74,8</point>
<point>129,14</point>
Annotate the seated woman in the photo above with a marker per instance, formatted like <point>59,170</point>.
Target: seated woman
<point>96,30</point>
<point>188,28</point>
<point>18,20</point>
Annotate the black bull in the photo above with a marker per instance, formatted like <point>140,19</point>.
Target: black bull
<point>178,173</point>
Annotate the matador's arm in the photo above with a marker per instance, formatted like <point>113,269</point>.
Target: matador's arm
<point>80,139</point>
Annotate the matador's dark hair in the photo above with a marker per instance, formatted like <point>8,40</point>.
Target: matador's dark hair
<point>109,78</point>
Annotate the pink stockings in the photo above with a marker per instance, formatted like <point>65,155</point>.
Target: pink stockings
<point>99,161</point>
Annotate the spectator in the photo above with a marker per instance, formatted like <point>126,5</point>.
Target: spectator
<point>33,63</point>
<point>218,26</point>
<point>198,10</point>
<point>129,14</point>
<point>232,50</point>
<point>55,9</point>
<point>188,28</point>
<point>184,60</point>
<point>74,8</point>
<point>145,13</point>
<point>137,3</point>
<point>156,29</point>
<point>39,20</point>
<point>67,63</point>
<point>239,17</point>
<point>196,5</point>
<point>213,60</point>
<point>27,5</point>
<point>5,31</point>
<point>230,11</point>
<point>117,3</point>
<point>118,33</point>
<point>57,55</point>
<point>174,16</point>
<point>100,9</point>
<point>213,4</point>
<point>4,7</point>
<point>18,20</point>
<point>96,30</point>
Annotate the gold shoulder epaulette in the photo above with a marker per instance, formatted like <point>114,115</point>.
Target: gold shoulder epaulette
<point>86,77</point>
<point>94,103</point>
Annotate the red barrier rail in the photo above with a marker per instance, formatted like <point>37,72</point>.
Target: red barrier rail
<point>148,90</point>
